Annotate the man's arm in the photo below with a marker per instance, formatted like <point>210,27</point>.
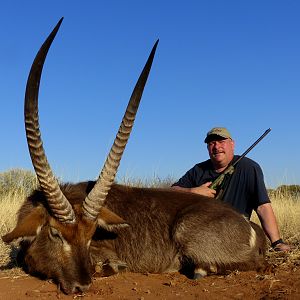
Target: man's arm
<point>269,224</point>
<point>203,190</point>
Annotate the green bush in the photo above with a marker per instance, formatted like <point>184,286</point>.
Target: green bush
<point>16,180</point>
<point>284,190</point>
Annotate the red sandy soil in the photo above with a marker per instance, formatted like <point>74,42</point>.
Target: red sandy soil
<point>282,281</point>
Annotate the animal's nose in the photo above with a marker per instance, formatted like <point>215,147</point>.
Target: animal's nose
<point>80,288</point>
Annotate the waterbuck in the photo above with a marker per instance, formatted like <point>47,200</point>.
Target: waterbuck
<point>70,232</point>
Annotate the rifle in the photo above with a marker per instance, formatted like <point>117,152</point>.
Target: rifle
<point>220,182</point>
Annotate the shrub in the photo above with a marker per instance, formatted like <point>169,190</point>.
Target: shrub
<point>17,181</point>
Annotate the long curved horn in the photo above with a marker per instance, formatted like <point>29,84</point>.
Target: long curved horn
<point>95,199</point>
<point>58,203</point>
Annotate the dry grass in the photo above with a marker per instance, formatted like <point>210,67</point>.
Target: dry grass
<point>155,182</point>
<point>287,210</point>
<point>286,207</point>
<point>9,206</point>
<point>15,185</point>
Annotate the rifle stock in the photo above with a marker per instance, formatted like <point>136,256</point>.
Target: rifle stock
<point>217,182</point>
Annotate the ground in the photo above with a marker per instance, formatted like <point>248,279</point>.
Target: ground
<point>280,281</point>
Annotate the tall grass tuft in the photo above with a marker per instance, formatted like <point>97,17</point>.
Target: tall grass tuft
<point>154,182</point>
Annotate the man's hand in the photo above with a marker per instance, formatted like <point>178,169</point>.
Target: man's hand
<point>204,190</point>
<point>284,247</point>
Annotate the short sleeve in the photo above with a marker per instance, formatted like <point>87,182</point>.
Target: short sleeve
<point>191,178</point>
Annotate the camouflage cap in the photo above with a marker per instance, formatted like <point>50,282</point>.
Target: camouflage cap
<point>217,131</point>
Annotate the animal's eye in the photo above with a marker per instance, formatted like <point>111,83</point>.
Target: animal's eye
<point>54,234</point>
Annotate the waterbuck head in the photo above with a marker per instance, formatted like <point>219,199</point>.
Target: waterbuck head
<point>57,232</point>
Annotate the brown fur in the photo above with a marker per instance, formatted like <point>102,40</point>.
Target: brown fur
<point>139,229</point>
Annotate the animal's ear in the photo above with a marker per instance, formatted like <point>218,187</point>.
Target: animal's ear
<point>109,220</point>
<point>27,227</point>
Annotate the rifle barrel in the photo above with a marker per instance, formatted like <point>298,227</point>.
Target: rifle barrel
<point>252,146</point>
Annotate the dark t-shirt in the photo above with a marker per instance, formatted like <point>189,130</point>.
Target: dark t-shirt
<point>245,190</point>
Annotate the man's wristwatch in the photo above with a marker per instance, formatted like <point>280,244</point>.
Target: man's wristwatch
<point>274,244</point>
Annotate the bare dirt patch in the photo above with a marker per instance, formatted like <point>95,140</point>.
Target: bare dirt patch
<point>282,281</point>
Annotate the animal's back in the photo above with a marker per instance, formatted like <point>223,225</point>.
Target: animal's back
<point>168,226</point>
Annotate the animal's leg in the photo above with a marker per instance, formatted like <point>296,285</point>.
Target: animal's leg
<point>109,268</point>
<point>107,262</point>
<point>199,273</point>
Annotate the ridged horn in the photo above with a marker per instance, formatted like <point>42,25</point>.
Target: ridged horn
<point>58,203</point>
<point>95,199</point>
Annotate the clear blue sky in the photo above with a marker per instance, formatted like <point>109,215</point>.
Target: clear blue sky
<point>218,63</point>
